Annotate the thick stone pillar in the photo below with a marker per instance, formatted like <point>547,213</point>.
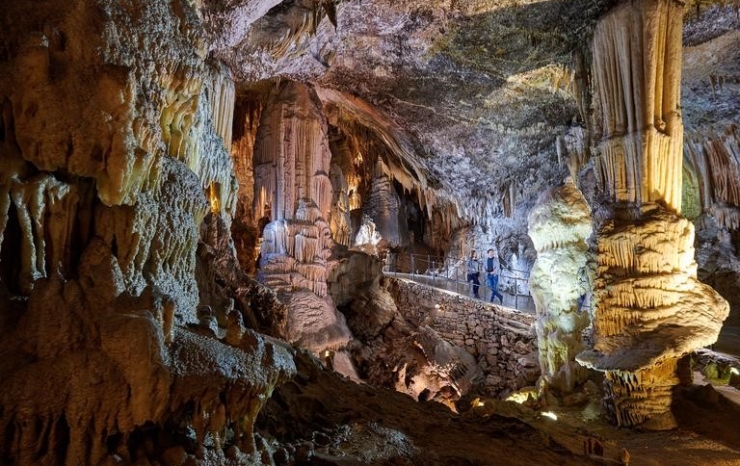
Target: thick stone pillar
<point>649,308</point>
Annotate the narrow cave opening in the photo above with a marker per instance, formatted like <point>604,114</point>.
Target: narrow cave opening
<point>10,253</point>
<point>83,225</point>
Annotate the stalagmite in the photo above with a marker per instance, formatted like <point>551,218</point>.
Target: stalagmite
<point>559,225</point>
<point>649,308</point>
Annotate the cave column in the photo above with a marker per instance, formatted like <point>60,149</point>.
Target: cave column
<point>649,310</point>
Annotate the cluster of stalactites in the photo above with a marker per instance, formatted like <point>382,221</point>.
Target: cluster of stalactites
<point>636,75</point>
<point>714,162</point>
<point>246,121</point>
<point>196,122</point>
<point>292,156</point>
<point>46,210</point>
<point>642,396</point>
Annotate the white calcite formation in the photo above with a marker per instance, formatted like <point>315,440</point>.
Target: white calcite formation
<point>560,225</point>
<point>649,308</point>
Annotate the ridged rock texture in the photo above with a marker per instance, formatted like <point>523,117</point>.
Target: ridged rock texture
<point>649,308</point>
<point>560,225</point>
<point>114,147</point>
<point>710,98</point>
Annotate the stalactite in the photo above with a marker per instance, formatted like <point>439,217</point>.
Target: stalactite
<point>715,160</point>
<point>637,106</point>
<point>46,211</point>
<point>340,213</point>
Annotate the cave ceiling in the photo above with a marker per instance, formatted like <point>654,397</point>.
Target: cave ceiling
<point>475,92</point>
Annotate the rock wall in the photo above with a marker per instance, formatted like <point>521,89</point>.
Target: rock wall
<point>115,146</point>
<point>135,161</point>
<point>502,340</point>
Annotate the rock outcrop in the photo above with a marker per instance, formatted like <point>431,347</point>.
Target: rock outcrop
<point>115,139</point>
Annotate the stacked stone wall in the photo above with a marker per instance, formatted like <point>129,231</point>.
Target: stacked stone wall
<point>503,340</point>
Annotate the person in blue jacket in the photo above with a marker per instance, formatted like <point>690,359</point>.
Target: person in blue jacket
<point>493,269</point>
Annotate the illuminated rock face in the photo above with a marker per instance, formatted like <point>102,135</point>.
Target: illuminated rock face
<point>649,308</point>
<point>114,147</point>
<point>105,165</point>
<point>559,226</point>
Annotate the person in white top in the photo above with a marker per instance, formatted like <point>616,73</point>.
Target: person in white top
<point>474,272</point>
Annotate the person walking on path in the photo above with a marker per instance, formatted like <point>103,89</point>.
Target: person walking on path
<point>474,273</point>
<point>493,269</point>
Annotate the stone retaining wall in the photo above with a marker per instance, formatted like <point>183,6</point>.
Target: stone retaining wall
<point>503,340</point>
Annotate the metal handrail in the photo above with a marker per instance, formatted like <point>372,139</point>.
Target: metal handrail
<point>454,269</point>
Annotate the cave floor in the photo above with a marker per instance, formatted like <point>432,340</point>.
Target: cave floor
<point>706,435</point>
<point>357,424</point>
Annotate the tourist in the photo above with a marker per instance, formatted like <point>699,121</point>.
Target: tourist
<point>493,269</point>
<point>474,272</point>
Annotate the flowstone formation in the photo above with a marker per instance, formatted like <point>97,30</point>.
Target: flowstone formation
<point>560,225</point>
<point>649,308</point>
<point>293,190</point>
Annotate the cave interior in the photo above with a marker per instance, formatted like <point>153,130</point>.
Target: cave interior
<point>271,232</point>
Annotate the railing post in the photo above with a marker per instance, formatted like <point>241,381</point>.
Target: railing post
<point>413,266</point>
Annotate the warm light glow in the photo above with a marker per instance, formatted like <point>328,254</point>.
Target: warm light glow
<point>519,397</point>
<point>550,414</point>
<point>734,371</point>
<point>213,197</point>
<point>327,353</point>
<point>477,403</point>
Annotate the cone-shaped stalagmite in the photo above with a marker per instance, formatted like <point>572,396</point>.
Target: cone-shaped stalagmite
<point>559,226</point>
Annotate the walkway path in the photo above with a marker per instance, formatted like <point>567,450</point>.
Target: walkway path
<point>519,302</point>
